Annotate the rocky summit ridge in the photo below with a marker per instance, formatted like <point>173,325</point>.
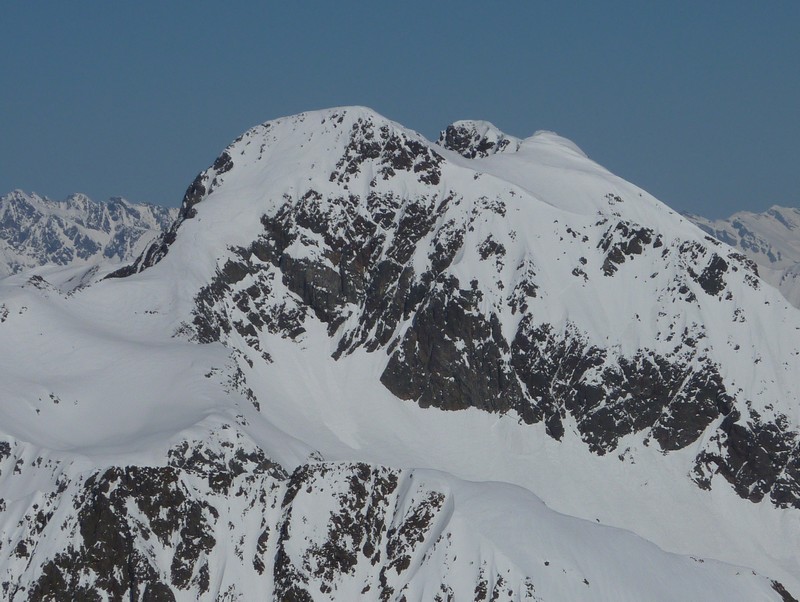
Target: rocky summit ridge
<point>344,323</point>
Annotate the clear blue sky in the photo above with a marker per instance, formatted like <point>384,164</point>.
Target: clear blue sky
<point>698,102</point>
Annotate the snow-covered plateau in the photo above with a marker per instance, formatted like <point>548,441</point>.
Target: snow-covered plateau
<point>364,365</point>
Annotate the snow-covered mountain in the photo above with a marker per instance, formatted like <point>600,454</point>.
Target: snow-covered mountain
<point>364,365</point>
<point>771,239</point>
<point>76,231</point>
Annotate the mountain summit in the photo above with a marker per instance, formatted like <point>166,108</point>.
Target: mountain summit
<point>472,139</point>
<point>365,365</point>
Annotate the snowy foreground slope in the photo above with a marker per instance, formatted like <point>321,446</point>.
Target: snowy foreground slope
<point>364,365</point>
<point>771,239</point>
<point>77,231</point>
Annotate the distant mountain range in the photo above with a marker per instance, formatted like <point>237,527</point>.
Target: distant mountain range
<point>36,231</point>
<point>359,364</point>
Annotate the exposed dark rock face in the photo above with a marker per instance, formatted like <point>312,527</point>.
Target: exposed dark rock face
<point>452,357</point>
<point>373,530</point>
<point>110,541</point>
<point>151,256</point>
<point>152,533</point>
<point>250,285</point>
<point>354,265</point>
<point>138,532</point>
<point>759,459</point>
<point>471,139</point>
<point>625,240</point>
<point>785,595</point>
<point>611,397</point>
<point>203,185</point>
<point>389,151</point>
<point>366,493</point>
<point>711,279</point>
<point>112,552</point>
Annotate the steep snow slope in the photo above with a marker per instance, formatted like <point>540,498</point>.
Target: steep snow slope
<point>511,314</point>
<point>771,239</point>
<point>35,231</point>
<point>146,483</point>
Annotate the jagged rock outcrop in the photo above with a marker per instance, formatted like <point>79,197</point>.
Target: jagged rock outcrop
<point>472,139</point>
